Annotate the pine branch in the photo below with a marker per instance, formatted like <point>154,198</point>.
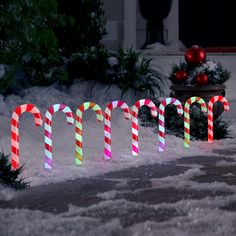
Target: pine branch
<point>11,178</point>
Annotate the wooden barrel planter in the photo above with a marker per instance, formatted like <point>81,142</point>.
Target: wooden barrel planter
<point>183,93</point>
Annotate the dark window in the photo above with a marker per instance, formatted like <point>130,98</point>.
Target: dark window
<point>209,23</point>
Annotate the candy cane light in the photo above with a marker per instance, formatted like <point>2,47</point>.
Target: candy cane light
<point>107,124</point>
<point>48,129</point>
<point>187,106</point>
<point>135,127</point>
<point>15,138</point>
<point>211,103</point>
<point>79,127</point>
<point>161,117</point>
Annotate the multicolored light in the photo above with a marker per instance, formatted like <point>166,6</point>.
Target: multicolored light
<point>129,113</point>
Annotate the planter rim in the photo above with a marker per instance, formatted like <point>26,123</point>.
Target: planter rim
<point>197,88</point>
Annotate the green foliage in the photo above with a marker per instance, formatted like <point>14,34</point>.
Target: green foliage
<point>58,41</point>
<point>89,64</point>
<point>219,75</point>
<point>216,73</point>
<point>6,81</point>
<point>127,69</point>
<point>27,25</point>
<point>198,124</point>
<point>134,71</point>
<point>38,35</point>
<point>84,24</point>
<point>174,124</point>
<point>28,38</point>
<point>174,69</point>
<point>8,177</point>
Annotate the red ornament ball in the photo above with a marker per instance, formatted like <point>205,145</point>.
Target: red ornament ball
<point>202,79</point>
<point>181,75</point>
<point>195,55</point>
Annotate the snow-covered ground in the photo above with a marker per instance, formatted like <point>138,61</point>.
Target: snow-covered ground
<point>202,217</point>
<point>201,220</point>
<point>32,137</point>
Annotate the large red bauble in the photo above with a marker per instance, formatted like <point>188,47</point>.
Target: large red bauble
<point>181,75</point>
<point>195,55</point>
<point>202,79</point>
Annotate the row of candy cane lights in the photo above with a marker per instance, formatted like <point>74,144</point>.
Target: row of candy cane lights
<point>129,113</point>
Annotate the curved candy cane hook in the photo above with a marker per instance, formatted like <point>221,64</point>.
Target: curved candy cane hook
<point>79,127</point>
<point>211,103</point>
<point>107,124</point>
<point>15,138</point>
<point>135,110</point>
<point>48,129</point>
<point>161,111</point>
<point>187,105</point>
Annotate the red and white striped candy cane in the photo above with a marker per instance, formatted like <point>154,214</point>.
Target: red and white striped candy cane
<point>211,103</point>
<point>79,127</point>
<point>107,124</point>
<point>161,112</point>
<point>135,110</point>
<point>15,138</point>
<point>48,129</point>
<point>187,105</point>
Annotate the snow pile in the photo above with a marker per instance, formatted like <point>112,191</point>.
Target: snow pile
<point>175,46</point>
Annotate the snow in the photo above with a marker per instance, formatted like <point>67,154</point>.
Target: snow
<point>200,216</point>
<point>6,193</point>
<point>200,222</point>
<point>175,46</point>
<point>113,61</point>
<point>3,69</point>
<point>32,137</point>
